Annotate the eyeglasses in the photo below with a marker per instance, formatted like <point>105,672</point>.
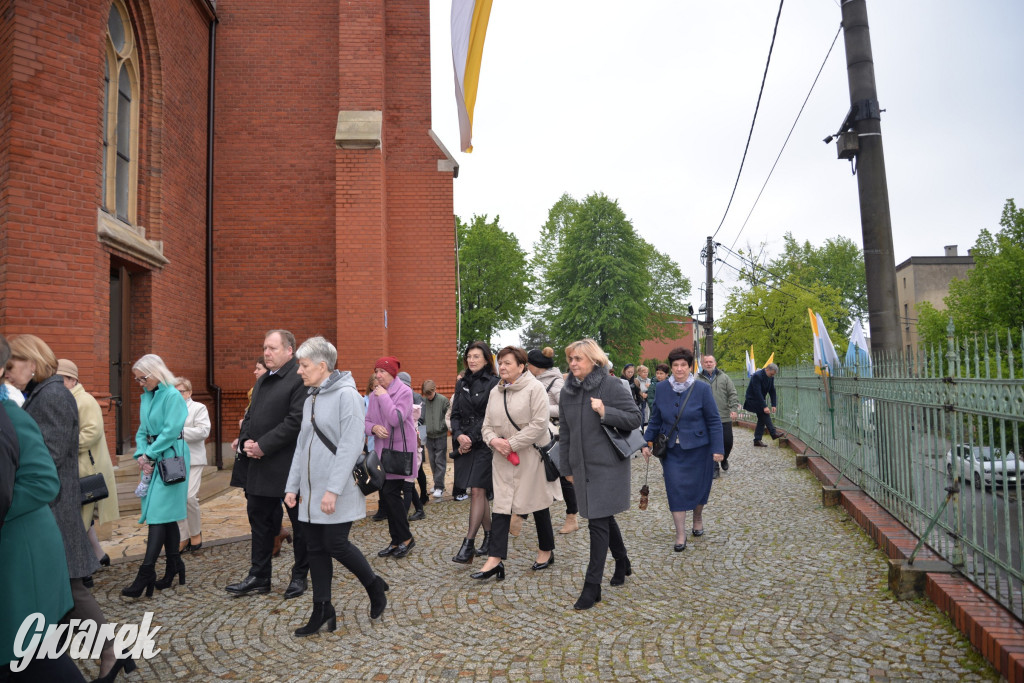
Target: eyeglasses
<point>142,380</point>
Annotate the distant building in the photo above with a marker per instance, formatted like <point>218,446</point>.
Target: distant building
<point>926,278</point>
<point>659,348</point>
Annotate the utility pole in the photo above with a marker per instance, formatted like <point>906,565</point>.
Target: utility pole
<point>876,225</point>
<point>709,318</point>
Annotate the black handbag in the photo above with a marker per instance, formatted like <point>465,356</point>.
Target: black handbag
<point>94,486</point>
<point>626,442</point>
<point>172,470</point>
<point>660,448</point>
<point>367,474</point>
<point>397,462</point>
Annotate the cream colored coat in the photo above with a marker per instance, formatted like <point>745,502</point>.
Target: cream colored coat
<point>92,438</point>
<point>520,489</point>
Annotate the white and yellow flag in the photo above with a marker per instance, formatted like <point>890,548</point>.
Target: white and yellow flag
<point>469,26</point>
<point>825,356</point>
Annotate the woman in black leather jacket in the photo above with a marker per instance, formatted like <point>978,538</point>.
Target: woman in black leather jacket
<point>472,455</point>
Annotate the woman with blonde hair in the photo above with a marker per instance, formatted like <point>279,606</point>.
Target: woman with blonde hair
<point>197,428</point>
<point>162,417</point>
<point>591,398</point>
<point>32,369</point>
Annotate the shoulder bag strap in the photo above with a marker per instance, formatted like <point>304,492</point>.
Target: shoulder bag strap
<point>323,437</point>
<point>681,409</point>
<point>401,425</point>
<point>504,395</point>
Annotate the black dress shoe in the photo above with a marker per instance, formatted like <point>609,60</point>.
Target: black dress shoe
<point>249,584</point>
<point>380,515</point>
<point>715,474</point>
<point>387,551</point>
<point>105,560</point>
<point>403,548</point>
<point>296,588</point>
<point>679,547</point>
<point>417,516</point>
<point>760,444</point>
<point>698,532</point>
<point>725,464</point>
<point>87,581</point>
<point>537,566</point>
<point>498,571</point>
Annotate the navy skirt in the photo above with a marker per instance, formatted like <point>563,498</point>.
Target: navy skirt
<point>688,475</point>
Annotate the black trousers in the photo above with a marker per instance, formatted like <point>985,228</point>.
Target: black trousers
<point>499,532</point>
<point>326,543</point>
<point>409,496</point>
<point>394,508</point>
<point>265,521</point>
<point>764,424</point>
<point>569,493</point>
<point>604,534</point>
<point>727,437</point>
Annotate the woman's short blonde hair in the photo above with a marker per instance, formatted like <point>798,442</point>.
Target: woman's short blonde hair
<point>183,382</point>
<point>589,348</point>
<point>152,365</point>
<point>31,347</point>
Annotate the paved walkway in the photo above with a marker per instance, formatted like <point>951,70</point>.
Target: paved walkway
<point>779,587</point>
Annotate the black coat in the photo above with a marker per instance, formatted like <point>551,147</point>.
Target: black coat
<point>273,421</point>
<point>759,385</point>
<point>470,406</point>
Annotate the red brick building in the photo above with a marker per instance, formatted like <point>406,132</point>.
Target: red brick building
<point>327,208</point>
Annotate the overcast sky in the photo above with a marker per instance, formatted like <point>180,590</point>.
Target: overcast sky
<point>651,102</point>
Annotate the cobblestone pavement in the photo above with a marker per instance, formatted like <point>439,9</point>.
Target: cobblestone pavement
<point>778,587</point>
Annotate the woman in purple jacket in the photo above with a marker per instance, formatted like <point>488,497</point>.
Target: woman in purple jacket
<point>389,419</point>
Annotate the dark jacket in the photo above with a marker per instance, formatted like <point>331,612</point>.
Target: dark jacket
<point>699,426</point>
<point>469,407</point>
<point>600,478</point>
<point>273,421</point>
<point>759,385</point>
<point>54,409</point>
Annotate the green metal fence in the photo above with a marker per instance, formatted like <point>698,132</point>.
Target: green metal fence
<point>935,439</point>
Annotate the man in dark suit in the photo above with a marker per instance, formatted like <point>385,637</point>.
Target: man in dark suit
<point>763,382</point>
<point>267,437</point>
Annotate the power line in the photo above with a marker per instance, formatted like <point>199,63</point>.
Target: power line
<point>792,128</point>
<point>767,285</point>
<point>754,266</point>
<point>756,107</point>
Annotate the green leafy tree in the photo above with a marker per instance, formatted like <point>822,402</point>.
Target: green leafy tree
<point>597,278</point>
<point>991,298</point>
<point>493,279</point>
<point>773,319</point>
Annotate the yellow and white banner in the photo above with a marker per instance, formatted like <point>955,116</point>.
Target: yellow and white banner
<point>825,356</point>
<point>469,26</point>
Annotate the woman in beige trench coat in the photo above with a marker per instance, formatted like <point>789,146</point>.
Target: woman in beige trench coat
<point>520,486</point>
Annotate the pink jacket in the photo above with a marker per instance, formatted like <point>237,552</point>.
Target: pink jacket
<point>383,410</point>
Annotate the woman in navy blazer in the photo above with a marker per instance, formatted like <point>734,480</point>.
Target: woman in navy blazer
<point>695,443</point>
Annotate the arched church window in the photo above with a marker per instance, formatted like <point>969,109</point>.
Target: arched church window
<point>121,127</point>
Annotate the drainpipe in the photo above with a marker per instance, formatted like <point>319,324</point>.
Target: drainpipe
<point>211,383</point>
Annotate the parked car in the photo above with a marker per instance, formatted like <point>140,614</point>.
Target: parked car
<point>984,465</point>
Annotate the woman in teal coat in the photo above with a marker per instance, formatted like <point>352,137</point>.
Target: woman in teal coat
<point>162,418</point>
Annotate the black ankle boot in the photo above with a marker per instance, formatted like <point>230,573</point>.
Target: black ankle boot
<point>482,550</point>
<point>175,565</point>
<point>378,601</point>
<point>591,594</point>
<point>623,568</point>
<point>466,552</point>
<point>144,581</point>
<point>323,613</point>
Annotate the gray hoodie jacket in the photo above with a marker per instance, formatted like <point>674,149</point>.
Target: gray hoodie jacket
<point>315,469</point>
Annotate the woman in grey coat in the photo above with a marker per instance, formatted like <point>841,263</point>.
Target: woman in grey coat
<point>320,480</point>
<point>591,398</point>
<point>32,369</point>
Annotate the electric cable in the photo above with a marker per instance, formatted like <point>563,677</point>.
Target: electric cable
<point>792,128</point>
<point>764,78</point>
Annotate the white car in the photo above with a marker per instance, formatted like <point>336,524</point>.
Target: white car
<point>984,465</point>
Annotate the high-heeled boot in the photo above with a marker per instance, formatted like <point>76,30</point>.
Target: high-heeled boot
<point>323,613</point>
<point>482,550</point>
<point>466,552</point>
<point>378,601</point>
<point>175,565</point>
<point>623,568</point>
<point>144,581</point>
<point>591,594</point>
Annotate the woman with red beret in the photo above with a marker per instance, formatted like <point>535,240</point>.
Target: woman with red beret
<point>389,419</point>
